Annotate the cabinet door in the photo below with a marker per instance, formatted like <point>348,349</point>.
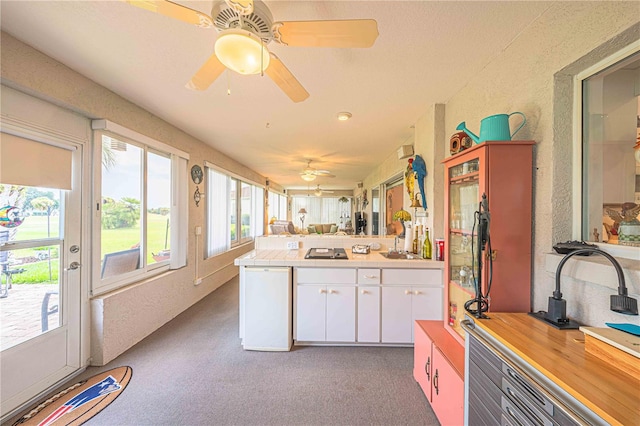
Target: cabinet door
<point>422,360</point>
<point>369,314</point>
<point>426,303</point>
<point>341,314</point>
<point>310,313</point>
<point>397,326</point>
<point>447,394</point>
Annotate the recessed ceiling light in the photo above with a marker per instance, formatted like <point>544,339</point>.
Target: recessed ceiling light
<point>344,116</point>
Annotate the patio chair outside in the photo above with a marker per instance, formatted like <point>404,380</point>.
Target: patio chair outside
<point>120,262</point>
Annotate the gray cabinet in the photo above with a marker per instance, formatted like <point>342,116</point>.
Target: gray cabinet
<point>498,393</point>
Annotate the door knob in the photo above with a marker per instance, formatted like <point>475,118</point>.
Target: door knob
<point>72,266</point>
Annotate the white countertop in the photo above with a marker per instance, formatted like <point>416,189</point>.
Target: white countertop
<point>296,258</point>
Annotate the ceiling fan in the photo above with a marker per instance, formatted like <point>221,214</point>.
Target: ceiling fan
<point>246,27</point>
<point>309,173</point>
<point>319,191</point>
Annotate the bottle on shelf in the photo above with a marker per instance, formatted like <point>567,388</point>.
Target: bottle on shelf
<point>415,242</point>
<point>426,247</point>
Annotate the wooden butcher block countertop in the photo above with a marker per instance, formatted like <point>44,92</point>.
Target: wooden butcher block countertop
<point>560,355</point>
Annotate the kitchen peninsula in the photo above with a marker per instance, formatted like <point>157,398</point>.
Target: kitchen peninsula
<point>367,299</point>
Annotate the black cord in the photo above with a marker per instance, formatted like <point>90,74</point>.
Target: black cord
<point>480,300</point>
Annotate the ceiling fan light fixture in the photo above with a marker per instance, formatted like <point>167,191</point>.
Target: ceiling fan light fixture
<point>242,51</point>
<point>308,177</point>
<point>344,116</point>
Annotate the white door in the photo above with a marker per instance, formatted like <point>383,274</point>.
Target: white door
<point>396,314</point>
<point>40,253</point>
<point>341,314</point>
<point>369,314</point>
<point>427,303</point>
<point>310,313</point>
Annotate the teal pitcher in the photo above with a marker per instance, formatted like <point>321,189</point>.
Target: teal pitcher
<point>494,128</point>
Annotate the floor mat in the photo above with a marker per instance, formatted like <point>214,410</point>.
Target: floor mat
<point>78,403</point>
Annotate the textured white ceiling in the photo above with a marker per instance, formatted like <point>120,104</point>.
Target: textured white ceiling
<point>425,53</point>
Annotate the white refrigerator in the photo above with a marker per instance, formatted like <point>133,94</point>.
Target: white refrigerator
<point>267,310</point>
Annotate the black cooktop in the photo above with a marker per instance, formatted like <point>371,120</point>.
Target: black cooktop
<point>326,253</point>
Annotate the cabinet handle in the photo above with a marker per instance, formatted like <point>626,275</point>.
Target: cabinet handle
<point>417,292</point>
<point>513,416</point>
<point>435,382</point>
<point>322,290</point>
<point>364,292</point>
<point>427,368</point>
<point>525,385</point>
<point>332,291</point>
<point>370,277</point>
<point>524,405</point>
<point>407,292</point>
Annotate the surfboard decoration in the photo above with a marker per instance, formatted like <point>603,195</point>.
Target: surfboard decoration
<point>80,402</point>
<point>10,216</point>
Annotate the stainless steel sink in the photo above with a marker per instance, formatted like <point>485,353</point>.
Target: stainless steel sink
<point>395,255</point>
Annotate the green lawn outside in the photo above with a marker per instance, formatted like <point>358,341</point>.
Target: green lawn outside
<point>113,240</point>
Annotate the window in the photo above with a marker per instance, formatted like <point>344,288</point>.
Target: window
<point>235,211</point>
<point>277,206</point>
<point>611,153</point>
<point>141,190</point>
<point>320,210</point>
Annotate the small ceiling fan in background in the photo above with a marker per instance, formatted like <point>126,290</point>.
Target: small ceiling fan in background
<point>319,191</point>
<point>309,173</point>
<point>246,27</point>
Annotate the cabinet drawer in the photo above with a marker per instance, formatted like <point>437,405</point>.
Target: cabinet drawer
<point>368,276</point>
<point>325,276</point>
<point>412,276</point>
<point>483,393</point>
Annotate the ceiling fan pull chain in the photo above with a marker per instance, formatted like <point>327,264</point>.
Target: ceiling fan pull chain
<point>228,83</point>
<point>261,59</point>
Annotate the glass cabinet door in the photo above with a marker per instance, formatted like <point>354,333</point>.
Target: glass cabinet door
<point>463,203</point>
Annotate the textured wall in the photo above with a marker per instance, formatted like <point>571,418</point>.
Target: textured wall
<point>521,78</point>
<point>122,318</point>
<point>533,75</point>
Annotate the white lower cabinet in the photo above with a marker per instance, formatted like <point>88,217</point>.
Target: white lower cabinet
<point>326,313</point>
<point>369,314</point>
<point>409,295</point>
<point>402,305</point>
<point>376,306</point>
<point>325,305</point>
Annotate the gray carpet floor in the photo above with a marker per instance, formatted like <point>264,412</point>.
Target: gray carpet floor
<point>193,371</point>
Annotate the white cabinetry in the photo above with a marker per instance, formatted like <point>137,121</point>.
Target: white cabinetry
<point>325,305</point>
<point>409,295</point>
<point>369,305</point>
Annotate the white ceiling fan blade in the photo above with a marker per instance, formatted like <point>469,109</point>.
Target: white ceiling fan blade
<point>285,80</point>
<point>174,10</point>
<point>207,74</point>
<point>347,33</point>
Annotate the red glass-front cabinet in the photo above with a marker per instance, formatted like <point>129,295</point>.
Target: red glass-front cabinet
<point>503,170</point>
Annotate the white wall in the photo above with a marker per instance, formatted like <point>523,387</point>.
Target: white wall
<point>122,318</point>
<point>521,78</point>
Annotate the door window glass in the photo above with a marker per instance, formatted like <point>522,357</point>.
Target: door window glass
<point>30,232</point>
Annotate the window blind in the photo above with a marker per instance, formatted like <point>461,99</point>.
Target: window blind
<point>29,163</point>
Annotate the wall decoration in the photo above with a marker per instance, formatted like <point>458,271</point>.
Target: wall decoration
<point>196,174</point>
<point>197,196</point>
<point>11,216</point>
